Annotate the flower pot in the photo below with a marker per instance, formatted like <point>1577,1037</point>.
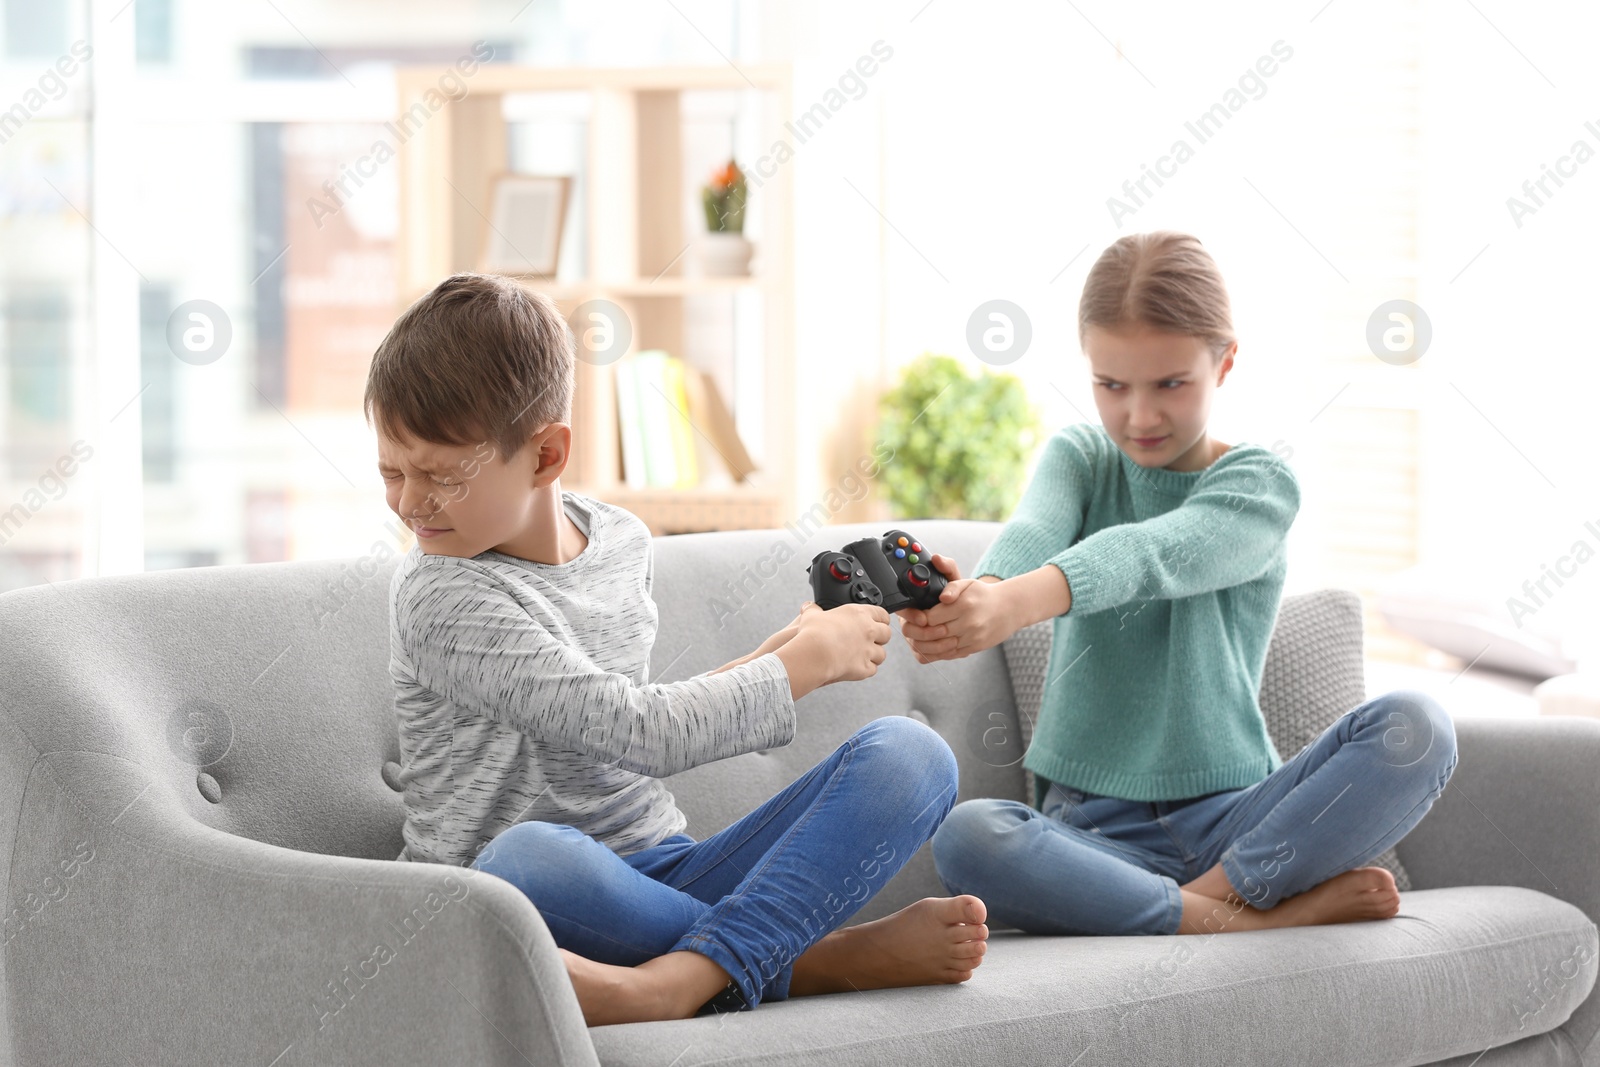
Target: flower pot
<point>724,255</point>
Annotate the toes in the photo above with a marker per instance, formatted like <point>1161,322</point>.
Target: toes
<point>962,932</point>
<point>965,908</point>
<point>969,950</point>
<point>1376,877</point>
<point>1381,904</point>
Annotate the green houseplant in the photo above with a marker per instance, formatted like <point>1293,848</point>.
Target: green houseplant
<point>724,251</point>
<point>961,442</point>
<point>723,199</point>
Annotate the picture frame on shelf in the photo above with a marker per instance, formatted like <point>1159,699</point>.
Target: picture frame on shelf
<point>522,230</point>
<point>648,133</point>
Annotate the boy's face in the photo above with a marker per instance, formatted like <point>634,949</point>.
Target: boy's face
<point>1154,391</point>
<point>465,499</point>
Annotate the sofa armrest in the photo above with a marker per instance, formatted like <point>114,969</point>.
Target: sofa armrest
<point>1522,809</point>
<point>176,942</point>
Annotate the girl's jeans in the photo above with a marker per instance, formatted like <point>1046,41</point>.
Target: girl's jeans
<point>756,895</point>
<point>1092,864</point>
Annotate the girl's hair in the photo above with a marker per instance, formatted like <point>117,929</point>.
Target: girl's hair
<point>1164,280</point>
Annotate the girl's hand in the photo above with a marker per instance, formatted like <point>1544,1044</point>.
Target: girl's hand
<point>945,566</point>
<point>971,615</point>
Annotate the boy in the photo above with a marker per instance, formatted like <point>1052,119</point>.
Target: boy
<point>532,744</point>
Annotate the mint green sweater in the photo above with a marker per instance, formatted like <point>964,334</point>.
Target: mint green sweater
<point>1150,693</point>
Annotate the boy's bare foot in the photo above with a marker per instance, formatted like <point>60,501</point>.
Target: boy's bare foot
<point>937,940</point>
<point>674,986</point>
<point>1357,895</point>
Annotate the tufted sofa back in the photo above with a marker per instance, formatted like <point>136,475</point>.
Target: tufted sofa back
<point>245,704</point>
<point>256,699</point>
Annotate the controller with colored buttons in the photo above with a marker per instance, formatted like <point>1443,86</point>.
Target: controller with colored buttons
<point>894,571</point>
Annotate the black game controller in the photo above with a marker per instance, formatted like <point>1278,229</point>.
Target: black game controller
<point>894,571</point>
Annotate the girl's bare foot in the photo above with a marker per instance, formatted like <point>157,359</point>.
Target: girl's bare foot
<point>937,940</point>
<point>674,986</point>
<point>1357,895</point>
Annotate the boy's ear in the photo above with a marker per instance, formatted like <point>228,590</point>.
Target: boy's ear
<point>552,445</point>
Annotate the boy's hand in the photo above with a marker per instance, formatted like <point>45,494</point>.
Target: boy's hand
<point>805,609</point>
<point>775,642</point>
<point>783,636</point>
<point>971,615</point>
<point>852,638</point>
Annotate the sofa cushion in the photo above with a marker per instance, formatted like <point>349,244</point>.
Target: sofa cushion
<point>1456,972</point>
<point>1313,674</point>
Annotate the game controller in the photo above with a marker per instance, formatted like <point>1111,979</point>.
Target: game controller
<point>894,571</point>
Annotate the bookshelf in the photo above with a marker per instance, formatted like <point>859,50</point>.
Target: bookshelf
<point>640,197</point>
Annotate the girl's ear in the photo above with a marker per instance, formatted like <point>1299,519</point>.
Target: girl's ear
<point>1227,362</point>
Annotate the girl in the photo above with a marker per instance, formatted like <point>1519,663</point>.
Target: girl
<point>1160,804</point>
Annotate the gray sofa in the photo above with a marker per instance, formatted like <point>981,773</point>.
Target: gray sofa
<point>199,824</point>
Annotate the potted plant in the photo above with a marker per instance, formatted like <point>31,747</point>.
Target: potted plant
<point>724,252</point>
<point>961,442</point>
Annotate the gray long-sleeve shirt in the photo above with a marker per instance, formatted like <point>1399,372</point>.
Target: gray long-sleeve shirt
<point>521,693</point>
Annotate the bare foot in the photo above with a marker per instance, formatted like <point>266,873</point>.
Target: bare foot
<point>937,940</point>
<point>1358,895</point>
<point>674,986</point>
<point>1354,896</point>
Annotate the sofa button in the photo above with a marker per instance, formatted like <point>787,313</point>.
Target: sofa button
<point>919,716</point>
<point>391,776</point>
<point>209,788</point>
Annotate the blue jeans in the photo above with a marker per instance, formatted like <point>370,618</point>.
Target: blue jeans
<point>756,895</point>
<point>1092,864</point>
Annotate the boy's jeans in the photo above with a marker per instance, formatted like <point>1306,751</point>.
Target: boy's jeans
<point>756,895</point>
<point>1092,864</point>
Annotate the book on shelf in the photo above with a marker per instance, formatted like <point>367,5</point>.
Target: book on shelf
<point>667,412</point>
<point>630,434</point>
<point>685,463</point>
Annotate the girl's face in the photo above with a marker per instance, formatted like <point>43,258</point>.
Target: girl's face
<point>1154,390</point>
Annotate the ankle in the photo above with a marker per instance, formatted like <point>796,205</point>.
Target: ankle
<point>681,982</point>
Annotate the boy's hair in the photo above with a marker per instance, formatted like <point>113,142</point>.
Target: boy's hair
<point>478,358</point>
<point>1164,280</point>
